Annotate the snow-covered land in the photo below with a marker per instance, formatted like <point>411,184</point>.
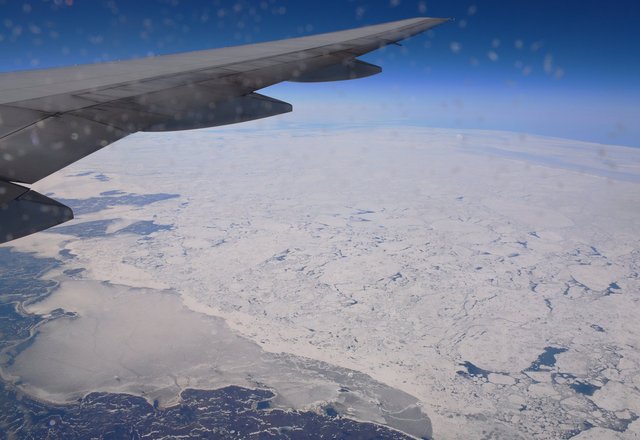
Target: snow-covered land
<point>492,276</point>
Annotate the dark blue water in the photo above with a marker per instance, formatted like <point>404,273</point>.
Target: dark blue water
<point>145,227</point>
<point>116,198</point>
<point>546,359</point>
<point>98,228</point>
<point>586,389</point>
<point>331,412</point>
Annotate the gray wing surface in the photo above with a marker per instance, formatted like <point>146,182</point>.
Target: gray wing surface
<point>54,117</point>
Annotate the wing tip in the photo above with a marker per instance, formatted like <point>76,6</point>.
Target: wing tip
<point>417,25</point>
<point>435,20</point>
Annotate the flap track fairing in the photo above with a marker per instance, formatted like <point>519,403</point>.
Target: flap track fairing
<point>350,69</point>
<point>24,212</point>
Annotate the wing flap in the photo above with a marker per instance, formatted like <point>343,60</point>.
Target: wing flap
<point>14,119</point>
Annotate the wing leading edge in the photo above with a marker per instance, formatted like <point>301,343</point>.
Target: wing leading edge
<point>52,118</point>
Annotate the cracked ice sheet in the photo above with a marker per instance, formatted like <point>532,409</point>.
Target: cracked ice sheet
<point>402,253</point>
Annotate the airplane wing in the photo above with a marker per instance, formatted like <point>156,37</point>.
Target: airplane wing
<point>54,117</point>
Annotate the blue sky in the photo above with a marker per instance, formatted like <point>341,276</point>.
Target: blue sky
<point>561,68</point>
